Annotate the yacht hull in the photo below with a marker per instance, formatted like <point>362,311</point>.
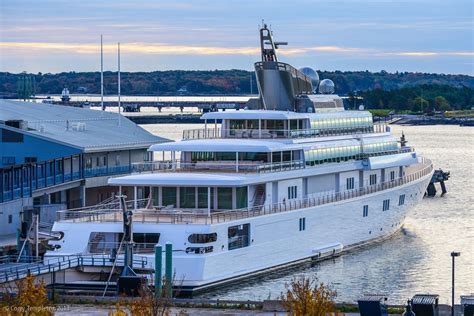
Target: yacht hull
<point>276,240</point>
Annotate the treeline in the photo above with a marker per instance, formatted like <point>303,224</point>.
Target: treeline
<point>423,98</point>
<point>380,90</point>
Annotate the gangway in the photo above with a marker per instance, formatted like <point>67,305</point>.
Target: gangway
<point>11,270</point>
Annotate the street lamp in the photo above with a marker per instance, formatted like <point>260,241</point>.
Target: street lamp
<point>453,255</point>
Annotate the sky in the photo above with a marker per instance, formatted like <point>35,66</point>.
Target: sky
<point>392,35</point>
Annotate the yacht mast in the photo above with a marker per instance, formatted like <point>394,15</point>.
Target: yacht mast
<point>101,74</point>
<point>118,88</point>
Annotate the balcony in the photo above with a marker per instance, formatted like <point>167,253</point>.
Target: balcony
<point>216,166</point>
<point>145,214</point>
<point>250,166</point>
<point>213,133</point>
<point>21,181</point>
<point>106,171</point>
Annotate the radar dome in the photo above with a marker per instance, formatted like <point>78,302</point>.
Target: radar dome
<point>312,74</point>
<point>326,86</point>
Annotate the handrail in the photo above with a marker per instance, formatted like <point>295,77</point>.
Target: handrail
<point>213,133</point>
<point>184,216</point>
<point>247,166</point>
<point>59,263</point>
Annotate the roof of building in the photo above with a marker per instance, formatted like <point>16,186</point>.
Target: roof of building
<point>89,130</point>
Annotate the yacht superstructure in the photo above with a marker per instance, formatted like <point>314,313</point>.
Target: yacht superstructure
<point>292,177</point>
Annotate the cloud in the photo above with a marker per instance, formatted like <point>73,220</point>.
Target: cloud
<point>167,49</point>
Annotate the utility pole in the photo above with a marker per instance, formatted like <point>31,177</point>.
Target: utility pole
<point>453,255</point>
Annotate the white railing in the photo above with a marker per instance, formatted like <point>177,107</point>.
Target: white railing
<point>193,216</point>
<point>249,166</point>
<point>218,166</point>
<point>212,133</point>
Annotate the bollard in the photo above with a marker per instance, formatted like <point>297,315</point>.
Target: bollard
<point>169,268</point>
<point>158,270</point>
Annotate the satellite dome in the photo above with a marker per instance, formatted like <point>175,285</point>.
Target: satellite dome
<point>326,86</point>
<point>312,74</point>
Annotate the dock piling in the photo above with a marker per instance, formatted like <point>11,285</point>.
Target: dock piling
<point>158,270</point>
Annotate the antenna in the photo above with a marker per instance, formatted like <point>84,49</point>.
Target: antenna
<point>118,88</point>
<point>101,74</point>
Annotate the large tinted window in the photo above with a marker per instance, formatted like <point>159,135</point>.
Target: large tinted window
<point>224,198</point>
<point>11,136</point>
<point>187,197</point>
<point>239,236</point>
<point>241,197</point>
<point>168,196</point>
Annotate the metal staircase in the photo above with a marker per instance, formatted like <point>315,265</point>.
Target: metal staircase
<point>259,197</point>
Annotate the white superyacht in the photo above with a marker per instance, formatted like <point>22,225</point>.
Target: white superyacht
<point>292,177</point>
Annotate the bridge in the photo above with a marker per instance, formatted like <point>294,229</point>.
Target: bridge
<point>133,103</point>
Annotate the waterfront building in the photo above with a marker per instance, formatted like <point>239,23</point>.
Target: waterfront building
<point>56,157</point>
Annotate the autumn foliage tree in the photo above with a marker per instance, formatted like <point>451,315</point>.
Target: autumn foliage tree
<point>307,296</point>
<point>30,299</point>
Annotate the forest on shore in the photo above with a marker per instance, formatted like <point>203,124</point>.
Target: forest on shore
<point>400,91</point>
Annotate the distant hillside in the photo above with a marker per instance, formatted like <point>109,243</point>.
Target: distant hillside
<point>380,89</point>
<point>216,82</point>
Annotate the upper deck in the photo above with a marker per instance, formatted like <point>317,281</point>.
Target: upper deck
<point>261,124</point>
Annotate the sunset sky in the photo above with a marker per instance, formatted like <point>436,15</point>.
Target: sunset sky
<point>64,35</point>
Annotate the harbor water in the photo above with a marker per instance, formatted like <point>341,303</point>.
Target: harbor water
<point>416,259</point>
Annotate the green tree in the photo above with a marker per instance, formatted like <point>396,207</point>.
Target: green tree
<point>419,104</point>
<point>442,104</point>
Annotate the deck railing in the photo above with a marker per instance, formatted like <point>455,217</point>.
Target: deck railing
<point>212,133</point>
<point>53,264</point>
<point>192,216</point>
<point>248,166</point>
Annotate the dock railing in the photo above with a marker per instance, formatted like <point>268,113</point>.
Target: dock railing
<point>200,216</point>
<point>53,264</point>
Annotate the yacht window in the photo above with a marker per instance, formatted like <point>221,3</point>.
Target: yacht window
<point>202,198</point>
<point>350,183</point>
<point>202,238</point>
<point>224,198</point>
<point>239,236</point>
<point>187,197</point>
<point>108,242</point>
<point>241,197</point>
<point>365,211</point>
<point>401,199</point>
<point>168,196</point>
<point>373,179</point>
<point>302,223</point>
<point>292,192</point>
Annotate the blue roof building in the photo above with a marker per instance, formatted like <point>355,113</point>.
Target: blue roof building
<point>55,157</point>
